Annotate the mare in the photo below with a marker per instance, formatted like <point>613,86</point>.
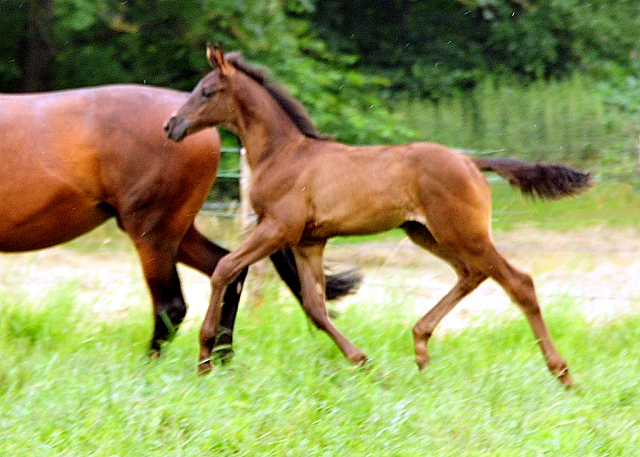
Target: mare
<point>307,188</point>
<point>70,160</point>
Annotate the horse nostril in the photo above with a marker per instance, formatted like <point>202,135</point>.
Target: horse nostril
<point>175,128</point>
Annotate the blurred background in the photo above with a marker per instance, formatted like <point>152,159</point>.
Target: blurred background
<point>546,79</point>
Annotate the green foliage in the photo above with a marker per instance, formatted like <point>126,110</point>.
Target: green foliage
<point>342,101</point>
<point>423,47</point>
<point>13,19</point>
<point>570,120</point>
<point>433,49</point>
<point>349,62</point>
<point>621,87</point>
<point>162,43</point>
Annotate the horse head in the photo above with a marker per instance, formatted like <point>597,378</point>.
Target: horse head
<point>209,104</point>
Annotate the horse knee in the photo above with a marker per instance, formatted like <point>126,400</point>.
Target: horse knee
<point>168,317</point>
<point>524,294</point>
<point>318,315</point>
<point>223,275</point>
<point>169,303</point>
<point>174,311</point>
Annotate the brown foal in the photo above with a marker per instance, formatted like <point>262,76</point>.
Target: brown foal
<point>307,188</point>
<point>70,160</point>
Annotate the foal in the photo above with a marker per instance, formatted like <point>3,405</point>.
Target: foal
<point>307,188</point>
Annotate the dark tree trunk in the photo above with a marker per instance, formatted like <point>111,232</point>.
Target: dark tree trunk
<point>37,51</point>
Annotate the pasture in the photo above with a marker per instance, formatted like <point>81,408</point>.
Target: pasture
<point>75,379</point>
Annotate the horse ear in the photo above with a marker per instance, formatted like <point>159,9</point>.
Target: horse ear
<point>216,58</point>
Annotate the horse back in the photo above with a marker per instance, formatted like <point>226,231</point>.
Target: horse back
<point>81,156</point>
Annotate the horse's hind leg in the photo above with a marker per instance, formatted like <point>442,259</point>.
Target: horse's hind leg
<point>337,285</point>
<point>469,278</point>
<point>519,286</point>
<point>200,253</point>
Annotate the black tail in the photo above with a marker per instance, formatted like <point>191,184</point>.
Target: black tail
<point>337,285</point>
<point>546,180</point>
<point>343,283</point>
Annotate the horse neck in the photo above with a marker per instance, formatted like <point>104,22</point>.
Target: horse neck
<point>263,127</point>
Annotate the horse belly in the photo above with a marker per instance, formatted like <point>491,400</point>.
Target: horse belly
<point>359,213</point>
<point>35,220</point>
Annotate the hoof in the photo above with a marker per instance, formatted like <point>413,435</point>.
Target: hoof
<point>558,367</point>
<point>422,362</point>
<point>204,367</point>
<point>223,354</point>
<point>358,359</point>
<point>565,378</point>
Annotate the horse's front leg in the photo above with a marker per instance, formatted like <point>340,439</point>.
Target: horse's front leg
<point>262,242</point>
<point>159,268</point>
<point>199,252</point>
<point>309,260</point>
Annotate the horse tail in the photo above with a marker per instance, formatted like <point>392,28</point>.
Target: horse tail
<point>342,283</point>
<point>545,180</point>
<point>337,285</point>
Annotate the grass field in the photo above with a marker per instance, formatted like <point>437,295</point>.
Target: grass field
<point>567,120</point>
<point>73,386</point>
<point>73,383</point>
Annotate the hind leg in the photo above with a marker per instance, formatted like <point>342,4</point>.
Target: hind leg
<point>469,278</point>
<point>519,286</point>
<point>337,285</point>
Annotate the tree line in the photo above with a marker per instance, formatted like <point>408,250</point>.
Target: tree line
<point>346,60</point>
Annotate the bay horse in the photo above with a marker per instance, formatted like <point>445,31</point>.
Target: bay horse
<point>307,188</point>
<point>70,160</point>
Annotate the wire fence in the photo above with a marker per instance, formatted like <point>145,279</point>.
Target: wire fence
<point>231,203</point>
<point>236,174</point>
<point>229,176</point>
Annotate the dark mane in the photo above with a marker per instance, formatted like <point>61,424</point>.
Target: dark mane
<point>294,109</point>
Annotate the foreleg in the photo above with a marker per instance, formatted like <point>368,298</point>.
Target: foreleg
<point>311,272</point>
<point>262,242</point>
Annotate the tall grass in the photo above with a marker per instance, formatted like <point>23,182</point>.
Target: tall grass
<point>74,386</point>
<point>565,120</point>
<point>606,204</point>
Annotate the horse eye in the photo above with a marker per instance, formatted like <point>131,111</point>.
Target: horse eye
<point>208,92</point>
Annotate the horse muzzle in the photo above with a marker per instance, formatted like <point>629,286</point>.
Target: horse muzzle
<point>176,128</point>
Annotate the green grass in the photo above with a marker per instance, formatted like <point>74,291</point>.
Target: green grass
<point>71,385</point>
<point>606,203</point>
<point>565,120</point>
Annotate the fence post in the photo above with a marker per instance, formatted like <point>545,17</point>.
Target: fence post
<point>245,184</point>
<point>258,271</point>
